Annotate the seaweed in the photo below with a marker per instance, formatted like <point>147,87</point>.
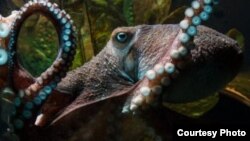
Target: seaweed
<point>237,35</point>
<point>128,12</point>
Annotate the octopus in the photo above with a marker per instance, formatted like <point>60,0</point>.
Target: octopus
<point>121,94</point>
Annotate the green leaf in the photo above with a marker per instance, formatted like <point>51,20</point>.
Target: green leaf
<point>151,11</point>
<point>175,16</point>
<point>128,12</point>
<point>18,3</point>
<point>241,83</point>
<point>237,35</point>
<point>194,109</point>
<point>100,2</point>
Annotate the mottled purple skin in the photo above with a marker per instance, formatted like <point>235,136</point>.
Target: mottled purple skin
<point>99,90</point>
<point>215,61</point>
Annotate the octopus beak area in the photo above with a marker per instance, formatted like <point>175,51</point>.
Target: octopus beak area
<point>212,61</point>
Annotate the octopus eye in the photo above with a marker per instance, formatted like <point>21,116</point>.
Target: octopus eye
<point>121,37</point>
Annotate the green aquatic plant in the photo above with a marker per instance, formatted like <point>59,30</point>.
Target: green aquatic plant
<point>174,16</point>
<point>37,53</point>
<point>128,12</point>
<point>237,35</point>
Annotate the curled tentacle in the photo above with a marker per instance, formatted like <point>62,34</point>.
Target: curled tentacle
<point>38,92</point>
<point>5,27</point>
<point>162,74</point>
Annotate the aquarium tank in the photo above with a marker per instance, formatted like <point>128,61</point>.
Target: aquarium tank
<point>121,70</point>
